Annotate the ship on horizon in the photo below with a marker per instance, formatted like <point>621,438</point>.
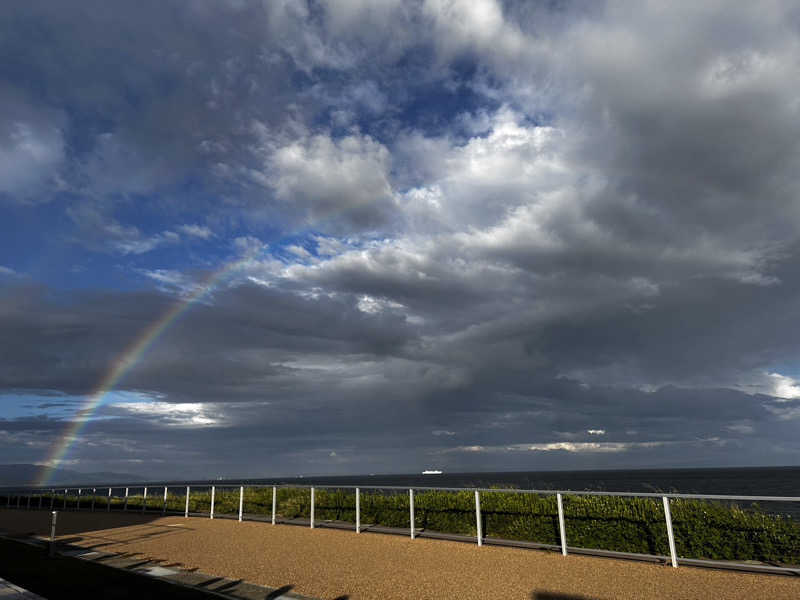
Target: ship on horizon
<point>431,472</point>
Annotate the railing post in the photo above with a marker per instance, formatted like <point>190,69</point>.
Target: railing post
<point>561,528</point>
<point>164,507</point>
<point>411,510</point>
<point>668,517</point>
<point>78,505</point>
<point>108,501</point>
<point>144,499</point>
<point>29,501</point>
<point>53,514</point>
<point>19,500</point>
<point>125,505</point>
<point>94,493</point>
<point>478,517</point>
<point>358,510</point>
<point>65,498</point>
<point>312,508</point>
<point>186,511</point>
<point>241,501</point>
<point>213,492</point>
<point>274,502</point>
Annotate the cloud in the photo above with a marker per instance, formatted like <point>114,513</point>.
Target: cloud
<point>249,246</point>
<point>588,447</point>
<point>198,231</point>
<point>188,414</point>
<point>32,149</point>
<point>329,181</point>
<point>784,387</point>
<point>265,358</point>
<point>495,227</point>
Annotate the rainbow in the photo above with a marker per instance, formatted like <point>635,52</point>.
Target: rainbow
<point>126,361</point>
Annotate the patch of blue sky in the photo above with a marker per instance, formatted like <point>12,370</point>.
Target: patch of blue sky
<point>119,398</point>
<point>54,405</point>
<point>414,97</point>
<point>289,248</point>
<point>61,406</point>
<point>312,239</point>
<point>787,369</point>
<point>31,238</point>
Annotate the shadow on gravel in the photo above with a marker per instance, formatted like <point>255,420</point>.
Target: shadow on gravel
<point>545,595</point>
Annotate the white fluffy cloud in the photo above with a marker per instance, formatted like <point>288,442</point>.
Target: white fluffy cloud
<point>31,155</point>
<point>329,181</point>
<point>198,231</point>
<point>189,414</point>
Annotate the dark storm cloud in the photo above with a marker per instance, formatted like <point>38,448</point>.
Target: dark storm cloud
<point>208,353</point>
<point>326,378</point>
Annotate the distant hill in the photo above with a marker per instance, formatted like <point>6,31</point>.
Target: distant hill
<point>26,474</point>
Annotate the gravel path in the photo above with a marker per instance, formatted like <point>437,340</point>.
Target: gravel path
<point>328,563</point>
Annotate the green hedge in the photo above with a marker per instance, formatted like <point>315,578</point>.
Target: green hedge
<point>711,530</point>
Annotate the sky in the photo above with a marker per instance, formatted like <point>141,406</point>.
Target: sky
<point>341,237</point>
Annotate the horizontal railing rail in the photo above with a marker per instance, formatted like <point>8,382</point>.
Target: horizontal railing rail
<point>352,486</point>
<point>155,497</point>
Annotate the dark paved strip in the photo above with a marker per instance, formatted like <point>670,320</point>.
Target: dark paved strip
<point>9,591</point>
<point>77,572</point>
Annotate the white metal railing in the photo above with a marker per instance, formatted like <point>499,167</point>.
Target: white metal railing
<point>15,496</point>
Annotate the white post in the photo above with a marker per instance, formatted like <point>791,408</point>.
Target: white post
<point>186,512</point>
<point>144,499</point>
<point>78,507</point>
<point>52,548</point>
<point>213,491</point>
<point>29,501</point>
<point>164,507</point>
<point>274,502</point>
<point>94,493</point>
<point>411,510</point>
<point>65,498</point>
<point>672,554</point>
<point>108,504</point>
<point>241,501</point>
<point>358,510</point>
<point>125,505</point>
<point>478,517</point>
<point>561,528</point>
<point>312,508</point>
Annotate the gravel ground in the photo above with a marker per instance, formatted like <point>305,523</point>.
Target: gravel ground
<point>328,563</point>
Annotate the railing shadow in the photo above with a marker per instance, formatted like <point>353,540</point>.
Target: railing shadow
<point>547,595</point>
<point>277,593</point>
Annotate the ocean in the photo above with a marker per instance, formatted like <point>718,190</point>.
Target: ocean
<point>752,481</point>
<point>739,481</point>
